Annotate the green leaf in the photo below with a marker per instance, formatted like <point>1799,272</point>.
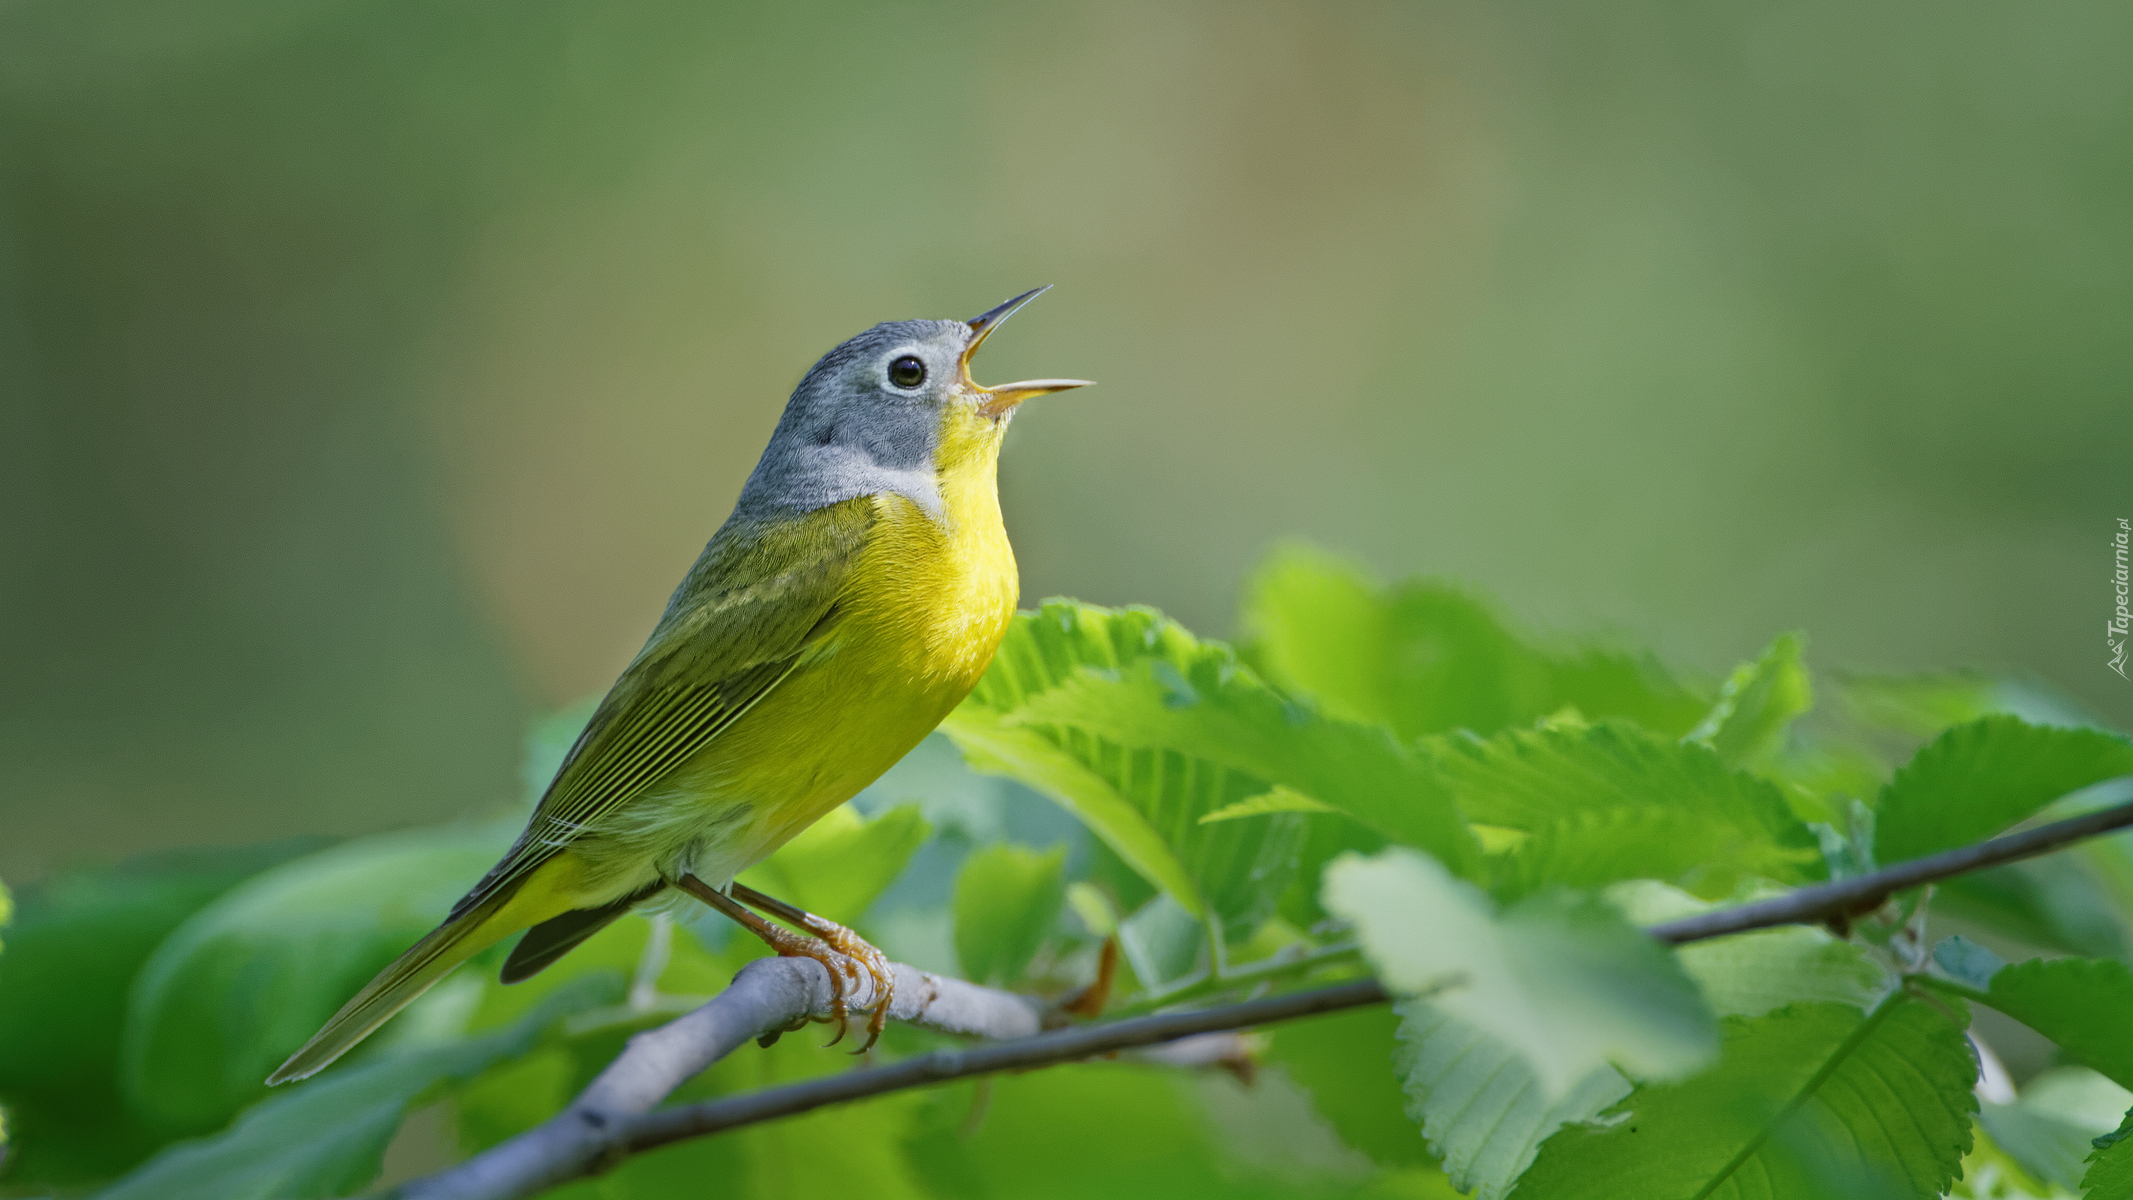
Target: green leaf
<point>1562,979</point>
<point>1481,1106</point>
<point>2080,1003</point>
<point>2055,903</point>
<point>1807,1102</point>
<point>1275,800</point>
<point>1976,780</point>
<point>1119,1131</point>
<point>1608,802</point>
<point>1344,1061</point>
<point>1605,684</point>
<point>991,745</point>
<point>1970,964</point>
<point>1480,1103</point>
<point>1424,657</point>
<point>1326,836</point>
<point>1007,898</point>
<point>1750,974</point>
<point>1204,706</point>
<point>1990,1173</point>
<point>1161,941</point>
<point>2110,1164</point>
<point>838,866</point>
<point>327,1136</point>
<point>245,980</point>
<point>1419,658</point>
<point>78,941</point>
<point>954,799</point>
<point>1758,702</point>
<point>1142,730</point>
<point>2051,1128</point>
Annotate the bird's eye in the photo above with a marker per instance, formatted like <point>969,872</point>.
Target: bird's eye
<point>907,372</point>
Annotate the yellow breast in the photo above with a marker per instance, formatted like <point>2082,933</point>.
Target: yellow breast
<point>920,616</point>
<point>933,594</point>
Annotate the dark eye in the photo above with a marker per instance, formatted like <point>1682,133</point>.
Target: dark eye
<point>907,372</point>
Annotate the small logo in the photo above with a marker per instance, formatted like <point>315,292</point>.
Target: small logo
<point>2121,620</point>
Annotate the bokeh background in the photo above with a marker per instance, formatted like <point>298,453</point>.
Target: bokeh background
<point>371,369</point>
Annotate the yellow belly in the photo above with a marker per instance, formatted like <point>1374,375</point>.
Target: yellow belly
<point>919,619</point>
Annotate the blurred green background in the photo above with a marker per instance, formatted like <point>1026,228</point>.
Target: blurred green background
<point>370,370</point>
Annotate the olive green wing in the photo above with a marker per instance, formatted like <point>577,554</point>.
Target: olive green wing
<point>757,600</point>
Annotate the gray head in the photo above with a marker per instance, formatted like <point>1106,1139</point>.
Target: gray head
<point>867,418</point>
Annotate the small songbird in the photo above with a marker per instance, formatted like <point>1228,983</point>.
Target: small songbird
<point>853,598</point>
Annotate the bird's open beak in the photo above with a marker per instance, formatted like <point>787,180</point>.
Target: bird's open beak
<point>999,401</point>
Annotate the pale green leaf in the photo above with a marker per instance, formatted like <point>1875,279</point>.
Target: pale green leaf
<point>1805,1103</point>
<point>2059,903</point>
<point>327,1136</point>
<point>2110,1164</point>
<point>2080,1003</point>
<point>1007,898</point>
<point>1345,1062</point>
<point>1161,941</point>
<point>1757,704</point>
<point>2052,1126</point>
<point>1092,907</point>
<point>1423,657</point>
<point>1990,1173</point>
<point>1561,979</point>
<point>1749,974</point>
<point>836,867</point>
<point>243,982</point>
<point>993,746</point>
<point>1607,802</point>
<point>1223,717</point>
<point>1142,730</point>
<point>78,942</point>
<point>1275,800</point>
<point>1480,1103</point>
<point>1976,780</point>
<point>1967,962</point>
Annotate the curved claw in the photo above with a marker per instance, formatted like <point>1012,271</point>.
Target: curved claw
<point>837,948</point>
<point>832,961</point>
<point>877,965</point>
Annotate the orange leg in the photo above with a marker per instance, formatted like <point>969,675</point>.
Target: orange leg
<point>786,943</point>
<point>840,951</point>
<point>857,951</point>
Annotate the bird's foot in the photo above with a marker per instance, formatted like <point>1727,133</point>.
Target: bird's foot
<point>842,972</point>
<point>852,952</point>
<point>784,942</point>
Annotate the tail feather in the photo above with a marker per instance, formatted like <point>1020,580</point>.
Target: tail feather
<point>557,936</point>
<point>528,901</point>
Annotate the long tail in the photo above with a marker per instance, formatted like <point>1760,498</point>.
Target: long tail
<point>529,901</point>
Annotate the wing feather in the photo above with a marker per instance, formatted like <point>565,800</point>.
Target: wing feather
<point>757,600</point>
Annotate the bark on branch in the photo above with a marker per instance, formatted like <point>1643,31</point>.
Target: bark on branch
<point>768,996</point>
<point>614,1117</point>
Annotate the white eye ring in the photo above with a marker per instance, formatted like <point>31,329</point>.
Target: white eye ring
<point>907,372</point>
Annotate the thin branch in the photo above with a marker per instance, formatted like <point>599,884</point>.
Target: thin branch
<point>614,1117</point>
<point>769,996</point>
<point>1071,1044</point>
<point>1840,901</point>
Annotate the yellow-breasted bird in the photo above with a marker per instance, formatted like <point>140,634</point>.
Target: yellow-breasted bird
<point>853,598</point>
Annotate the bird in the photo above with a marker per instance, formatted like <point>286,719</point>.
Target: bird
<point>849,603</point>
